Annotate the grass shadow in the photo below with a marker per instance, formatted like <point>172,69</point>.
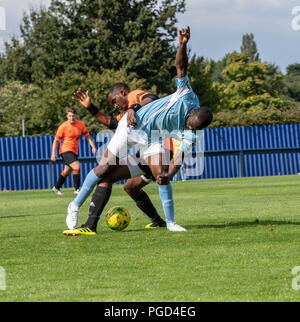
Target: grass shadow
<point>243,224</point>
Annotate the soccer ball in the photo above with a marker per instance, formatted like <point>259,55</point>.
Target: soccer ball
<point>117,218</point>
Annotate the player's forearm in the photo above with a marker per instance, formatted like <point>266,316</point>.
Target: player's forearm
<point>176,163</point>
<point>103,118</point>
<point>91,142</point>
<point>181,60</point>
<point>54,146</point>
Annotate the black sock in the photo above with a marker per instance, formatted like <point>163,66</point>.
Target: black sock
<point>61,180</point>
<point>76,180</point>
<point>98,202</point>
<point>144,203</point>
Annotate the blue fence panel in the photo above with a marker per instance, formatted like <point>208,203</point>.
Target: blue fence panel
<point>229,152</point>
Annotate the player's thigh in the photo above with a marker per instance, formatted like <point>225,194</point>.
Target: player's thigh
<point>119,172</point>
<point>156,164</point>
<point>106,165</point>
<point>75,165</point>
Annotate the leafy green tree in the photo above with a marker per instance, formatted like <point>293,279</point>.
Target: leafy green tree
<point>81,36</point>
<point>247,86</point>
<point>292,83</point>
<point>249,46</point>
<point>293,69</point>
<point>18,101</point>
<point>244,117</point>
<point>200,75</point>
<point>217,68</point>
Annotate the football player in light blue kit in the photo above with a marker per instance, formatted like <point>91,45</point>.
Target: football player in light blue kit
<point>178,115</point>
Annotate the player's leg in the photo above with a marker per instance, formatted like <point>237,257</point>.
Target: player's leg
<point>91,180</point>
<point>165,191</point>
<point>155,163</point>
<point>133,187</point>
<point>107,164</point>
<point>117,148</point>
<point>76,175</point>
<point>61,179</point>
<point>90,227</point>
<point>99,200</point>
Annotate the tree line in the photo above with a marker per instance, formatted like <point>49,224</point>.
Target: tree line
<point>93,44</point>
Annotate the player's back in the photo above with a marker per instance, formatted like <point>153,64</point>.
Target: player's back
<point>168,113</point>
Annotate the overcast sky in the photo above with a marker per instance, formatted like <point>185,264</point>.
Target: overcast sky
<point>217,26</point>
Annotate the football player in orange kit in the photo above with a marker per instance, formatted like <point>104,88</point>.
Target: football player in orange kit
<point>70,132</point>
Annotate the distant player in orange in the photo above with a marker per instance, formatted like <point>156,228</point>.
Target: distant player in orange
<point>69,132</point>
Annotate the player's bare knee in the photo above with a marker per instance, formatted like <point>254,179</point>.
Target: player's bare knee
<point>102,170</point>
<point>128,189</point>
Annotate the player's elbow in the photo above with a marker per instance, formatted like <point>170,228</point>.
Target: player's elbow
<point>181,71</point>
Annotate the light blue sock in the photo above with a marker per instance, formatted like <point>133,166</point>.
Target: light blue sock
<point>88,185</point>
<point>166,197</point>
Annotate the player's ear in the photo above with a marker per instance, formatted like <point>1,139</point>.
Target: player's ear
<point>123,93</point>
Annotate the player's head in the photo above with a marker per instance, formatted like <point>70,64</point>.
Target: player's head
<point>71,114</point>
<point>199,118</point>
<point>118,96</point>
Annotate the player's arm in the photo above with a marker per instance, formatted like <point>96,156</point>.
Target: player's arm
<point>174,167</point>
<point>176,163</point>
<point>92,144</point>
<point>54,148</point>
<point>181,60</point>
<point>131,120</point>
<point>185,149</point>
<point>84,99</point>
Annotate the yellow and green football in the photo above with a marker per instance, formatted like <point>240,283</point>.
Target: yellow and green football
<point>117,218</point>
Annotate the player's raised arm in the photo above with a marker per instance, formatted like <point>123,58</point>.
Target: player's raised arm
<point>181,60</point>
<point>84,99</point>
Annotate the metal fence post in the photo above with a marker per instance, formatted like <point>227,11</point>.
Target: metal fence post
<point>241,164</point>
<point>50,174</point>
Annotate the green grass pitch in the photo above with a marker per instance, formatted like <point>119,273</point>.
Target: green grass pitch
<point>241,245</point>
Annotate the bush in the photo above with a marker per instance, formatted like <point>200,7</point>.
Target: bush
<point>256,116</point>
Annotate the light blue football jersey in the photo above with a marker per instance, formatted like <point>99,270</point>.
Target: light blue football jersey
<point>166,117</point>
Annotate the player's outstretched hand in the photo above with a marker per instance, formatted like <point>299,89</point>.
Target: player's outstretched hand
<point>184,35</point>
<point>131,120</point>
<point>83,98</point>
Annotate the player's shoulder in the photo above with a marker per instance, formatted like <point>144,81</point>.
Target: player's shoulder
<point>79,123</point>
<point>137,92</point>
<point>183,81</point>
<point>136,96</point>
<point>63,125</point>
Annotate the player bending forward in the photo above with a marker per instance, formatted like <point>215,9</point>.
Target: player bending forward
<point>178,115</point>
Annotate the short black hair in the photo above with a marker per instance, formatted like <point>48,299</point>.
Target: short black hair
<point>204,116</point>
<point>117,87</point>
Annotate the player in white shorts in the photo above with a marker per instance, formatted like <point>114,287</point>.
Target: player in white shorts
<point>178,115</point>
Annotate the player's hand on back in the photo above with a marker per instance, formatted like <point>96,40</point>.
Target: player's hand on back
<point>184,35</point>
<point>131,120</point>
<point>83,98</point>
